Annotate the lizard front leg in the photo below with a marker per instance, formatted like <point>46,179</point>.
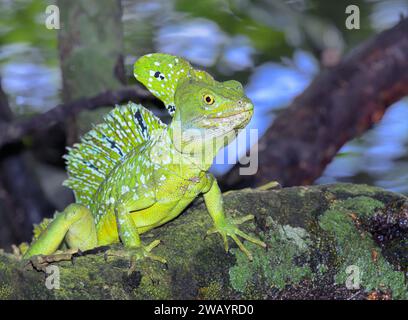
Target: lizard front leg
<point>129,235</point>
<point>224,225</point>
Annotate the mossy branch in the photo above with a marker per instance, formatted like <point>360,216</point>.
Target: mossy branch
<point>315,236</point>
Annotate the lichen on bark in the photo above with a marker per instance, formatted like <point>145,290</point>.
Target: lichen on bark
<point>313,235</point>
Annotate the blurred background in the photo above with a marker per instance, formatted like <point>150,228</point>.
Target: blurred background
<point>275,48</point>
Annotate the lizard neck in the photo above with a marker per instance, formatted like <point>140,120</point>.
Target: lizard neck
<point>198,153</point>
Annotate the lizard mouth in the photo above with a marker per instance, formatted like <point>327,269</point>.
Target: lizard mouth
<point>246,113</point>
<point>236,120</point>
<point>244,110</point>
<point>231,115</point>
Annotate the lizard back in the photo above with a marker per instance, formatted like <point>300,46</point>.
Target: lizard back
<point>105,146</point>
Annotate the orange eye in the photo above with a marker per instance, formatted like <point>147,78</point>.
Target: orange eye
<point>208,99</point>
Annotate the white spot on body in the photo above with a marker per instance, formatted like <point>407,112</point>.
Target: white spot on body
<point>125,189</point>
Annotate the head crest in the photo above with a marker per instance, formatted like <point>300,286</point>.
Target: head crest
<point>161,73</point>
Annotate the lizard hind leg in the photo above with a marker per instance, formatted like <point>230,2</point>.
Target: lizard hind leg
<point>75,225</point>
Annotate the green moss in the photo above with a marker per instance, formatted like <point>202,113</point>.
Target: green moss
<point>212,292</point>
<point>322,269</point>
<point>154,288</point>
<point>354,189</point>
<point>6,292</point>
<point>363,206</point>
<point>311,237</point>
<point>281,265</point>
<point>354,247</point>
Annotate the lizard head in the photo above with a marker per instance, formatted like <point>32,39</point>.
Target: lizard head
<point>205,112</point>
<point>209,112</point>
<point>212,106</point>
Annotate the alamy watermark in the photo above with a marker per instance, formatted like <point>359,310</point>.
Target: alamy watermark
<point>353,280</point>
<point>52,281</point>
<point>353,19</point>
<point>218,145</point>
<point>52,19</point>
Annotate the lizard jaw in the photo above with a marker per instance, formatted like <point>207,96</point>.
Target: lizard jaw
<point>237,120</point>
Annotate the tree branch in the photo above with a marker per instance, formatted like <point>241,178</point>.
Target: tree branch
<point>14,131</point>
<point>22,201</point>
<point>340,104</point>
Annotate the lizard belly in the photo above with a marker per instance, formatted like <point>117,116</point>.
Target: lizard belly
<point>159,214</point>
<point>173,197</point>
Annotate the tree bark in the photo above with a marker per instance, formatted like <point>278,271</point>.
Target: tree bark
<point>340,104</point>
<point>314,236</point>
<point>91,55</point>
<point>15,131</point>
<point>22,201</point>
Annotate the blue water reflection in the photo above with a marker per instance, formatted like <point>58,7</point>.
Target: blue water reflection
<point>198,40</point>
<point>34,87</point>
<point>271,86</point>
<point>379,157</point>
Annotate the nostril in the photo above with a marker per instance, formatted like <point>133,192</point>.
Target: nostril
<point>245,104</point>
<point>249,106</point>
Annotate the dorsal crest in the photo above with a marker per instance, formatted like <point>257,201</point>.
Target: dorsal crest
<point>105,146</point>
<point>161,73</point>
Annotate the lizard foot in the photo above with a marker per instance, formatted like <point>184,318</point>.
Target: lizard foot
<point>40,262</point>
<point>272,185</point>
<point>228,227</point>
<point>136,253</point>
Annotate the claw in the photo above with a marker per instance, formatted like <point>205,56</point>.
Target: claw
<point>251,239</point>
<point>229,228</point>
<point>40,262</point>
<point>225,239</point>
<point>152,245</point>
<point>270,185</point>
<point>157,258</point>
<point>242,247</point>
<point>212,230</point>
<point>136,253</point>
<point>241,220</point>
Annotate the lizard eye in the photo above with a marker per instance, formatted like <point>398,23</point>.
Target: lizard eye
<point>208,99</point>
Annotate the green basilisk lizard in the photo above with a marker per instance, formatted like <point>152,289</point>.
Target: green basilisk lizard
<point>133,173</point>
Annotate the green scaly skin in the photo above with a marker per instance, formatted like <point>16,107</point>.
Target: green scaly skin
<point>162,169</point>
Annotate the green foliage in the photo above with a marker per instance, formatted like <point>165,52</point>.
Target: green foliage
<point>235,20</point>
<point>22,21</point>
